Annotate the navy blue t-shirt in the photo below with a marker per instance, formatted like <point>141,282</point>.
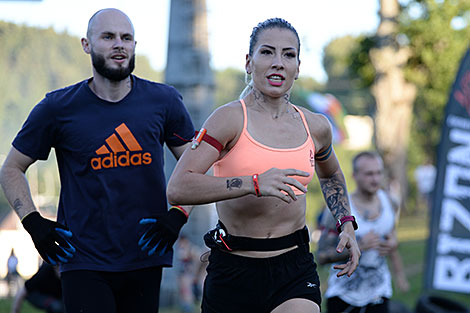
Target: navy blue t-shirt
<point>110,159</point>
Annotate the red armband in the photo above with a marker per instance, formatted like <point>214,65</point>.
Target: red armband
<point>202,135</point>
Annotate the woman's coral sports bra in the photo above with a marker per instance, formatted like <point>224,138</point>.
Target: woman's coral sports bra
<point>249,156</point>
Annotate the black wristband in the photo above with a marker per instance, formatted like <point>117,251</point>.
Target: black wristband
<point>30,222</point>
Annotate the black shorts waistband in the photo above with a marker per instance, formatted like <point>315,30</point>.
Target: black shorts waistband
<point>220,238</point>
<point>231,259</point>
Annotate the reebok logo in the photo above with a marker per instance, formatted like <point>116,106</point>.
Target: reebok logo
<point>120,150</point>
<point>311,285</point>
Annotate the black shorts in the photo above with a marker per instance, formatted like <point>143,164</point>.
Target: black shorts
<point>242,284</point>
<point>112,292</point>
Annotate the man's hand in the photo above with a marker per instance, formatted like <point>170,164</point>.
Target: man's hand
<point>163,232</point>
<point>369,241</point>
<point>50,238</point>
<point>347,239</point>
<point>388,245</point>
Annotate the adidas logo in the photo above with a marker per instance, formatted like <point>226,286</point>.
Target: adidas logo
<point>121,150</point>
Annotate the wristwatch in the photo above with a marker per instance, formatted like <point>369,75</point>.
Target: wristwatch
<point>345,219</point>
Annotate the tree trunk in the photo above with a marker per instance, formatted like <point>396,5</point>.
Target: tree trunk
<point>394,97</point>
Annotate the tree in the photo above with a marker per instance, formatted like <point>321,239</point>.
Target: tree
<point>394,97</point>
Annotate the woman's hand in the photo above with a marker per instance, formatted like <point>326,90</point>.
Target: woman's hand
<point>278,183</point>
<point>347,239</point>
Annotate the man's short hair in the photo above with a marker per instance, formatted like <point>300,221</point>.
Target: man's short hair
<point>367,154</point>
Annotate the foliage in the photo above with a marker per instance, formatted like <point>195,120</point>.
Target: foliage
<point>229,83</point>
<point>437,44</point>
<point>342,83</point>
<point>436,34</point>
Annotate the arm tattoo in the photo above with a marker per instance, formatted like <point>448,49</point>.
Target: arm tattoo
<point>234,183</point>
<point>336,195</point>
<point>17,205</point>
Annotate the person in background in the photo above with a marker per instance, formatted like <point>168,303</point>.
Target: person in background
<point>108,132</point>
<point>370,287</point>
<point>43,290</point>
<point>265,151</point>
<point>187,260</point>
<point>12,272</point>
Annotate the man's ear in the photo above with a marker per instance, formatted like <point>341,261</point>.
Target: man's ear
<point>86,45</point>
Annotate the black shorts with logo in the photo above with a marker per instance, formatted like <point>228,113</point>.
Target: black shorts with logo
<point>244,284</point>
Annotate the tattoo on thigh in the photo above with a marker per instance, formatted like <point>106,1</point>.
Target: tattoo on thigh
<point>335,194</point>
<point>234,183</point>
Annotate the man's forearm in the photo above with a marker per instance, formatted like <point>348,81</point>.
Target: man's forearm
<point>16,189</point>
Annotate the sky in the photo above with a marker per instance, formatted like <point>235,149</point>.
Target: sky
<point>229,24</point>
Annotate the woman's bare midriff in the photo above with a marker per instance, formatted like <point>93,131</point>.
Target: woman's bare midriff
<point>265,217</point>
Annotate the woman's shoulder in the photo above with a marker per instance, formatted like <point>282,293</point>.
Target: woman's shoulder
<point>228,112</point>
<point>318,124</point>
<point>226,122</point>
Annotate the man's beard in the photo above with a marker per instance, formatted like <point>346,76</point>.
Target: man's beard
<point>119,74</point>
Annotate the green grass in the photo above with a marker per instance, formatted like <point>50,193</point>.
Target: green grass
<point>412,233</point>
<point>5,307</point>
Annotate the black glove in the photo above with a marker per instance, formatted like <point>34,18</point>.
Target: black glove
<point>162,233</point>
<point>49,237</point>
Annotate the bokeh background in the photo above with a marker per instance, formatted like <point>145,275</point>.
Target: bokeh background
<point>382,71</point>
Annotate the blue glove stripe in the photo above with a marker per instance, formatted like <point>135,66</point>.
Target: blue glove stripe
<point>62,259</point>
<point>67,253</point>
<point>146,221</point>
<point>144,247</point>
<point>66,233</point>
<point>51,261</point>
<point>143,239</point>
<point>163,250</point>
<point>152,251</point>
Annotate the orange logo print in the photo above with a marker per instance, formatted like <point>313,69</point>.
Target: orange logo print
<point>118,150</point>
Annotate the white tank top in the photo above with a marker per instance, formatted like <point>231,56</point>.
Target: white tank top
<point>371,281</point>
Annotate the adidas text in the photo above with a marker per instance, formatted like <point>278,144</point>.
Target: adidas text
<point>121,160</point>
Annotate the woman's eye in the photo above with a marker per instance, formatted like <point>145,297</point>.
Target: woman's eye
<point>265,52</point>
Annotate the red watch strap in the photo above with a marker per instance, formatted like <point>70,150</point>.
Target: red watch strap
<point>344,219</point>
